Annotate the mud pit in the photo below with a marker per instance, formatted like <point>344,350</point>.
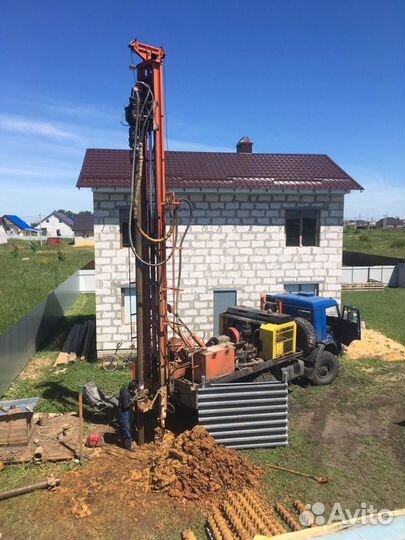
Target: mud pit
<point>373,344</point>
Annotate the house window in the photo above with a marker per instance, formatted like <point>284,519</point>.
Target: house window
<point>302,287</point>
<point>58,233</point>
<point>124,228</point>
<point>302,227</point>
<point>128,304</point>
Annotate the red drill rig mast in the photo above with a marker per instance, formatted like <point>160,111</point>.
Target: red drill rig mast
<point>149,203</point>
<point>149,234</point>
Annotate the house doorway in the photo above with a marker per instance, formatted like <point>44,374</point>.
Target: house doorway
<point>223,299</point>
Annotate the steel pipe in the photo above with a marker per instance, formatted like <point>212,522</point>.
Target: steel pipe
<point>50,483</point>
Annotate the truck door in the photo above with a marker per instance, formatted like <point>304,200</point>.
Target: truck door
<point>347,327</point>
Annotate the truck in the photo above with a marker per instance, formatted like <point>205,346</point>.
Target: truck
<point>291,335</point>
<point>322,331</point>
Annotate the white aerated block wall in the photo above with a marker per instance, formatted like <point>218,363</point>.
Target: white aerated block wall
<point>111,264</point>
<point>237,241</point>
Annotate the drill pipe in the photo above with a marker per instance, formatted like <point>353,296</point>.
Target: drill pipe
<point>288,517</point>
<point>249,514</point>
<point>50,483</point>
<point>265,512</point>
<point>233,518</point>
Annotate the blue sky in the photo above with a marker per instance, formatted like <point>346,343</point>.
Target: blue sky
<point>316,76</point>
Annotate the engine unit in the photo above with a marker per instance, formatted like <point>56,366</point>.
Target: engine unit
<point>258,334</point>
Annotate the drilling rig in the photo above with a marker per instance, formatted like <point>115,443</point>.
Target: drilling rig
<point>154,240</point>
<point>237,380</point>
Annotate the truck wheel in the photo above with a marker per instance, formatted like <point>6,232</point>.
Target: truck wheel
<point>325,369</point>
<point>306,336</point>
<point>265,377</point>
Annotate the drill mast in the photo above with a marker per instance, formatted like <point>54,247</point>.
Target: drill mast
<point>149,205</point>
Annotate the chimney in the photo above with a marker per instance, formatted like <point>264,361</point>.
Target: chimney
<point>244,146</point>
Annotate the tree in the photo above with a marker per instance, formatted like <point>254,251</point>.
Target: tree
<point>68,213</point>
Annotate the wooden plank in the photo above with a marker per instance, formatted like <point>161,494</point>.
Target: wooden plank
<point>72,357</point>
<point>63,358</point>
<point>54,448</point>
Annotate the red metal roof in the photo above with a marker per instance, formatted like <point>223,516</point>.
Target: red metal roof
<point>222,170</point>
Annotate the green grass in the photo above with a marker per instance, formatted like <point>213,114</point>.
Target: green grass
<point>383,311</point>
<point>25,283</point>
<point>333,433</point>
<point>58,389</point>
<point>389,242</point>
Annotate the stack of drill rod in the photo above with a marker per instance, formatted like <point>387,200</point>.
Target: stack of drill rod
<point>241,516</point>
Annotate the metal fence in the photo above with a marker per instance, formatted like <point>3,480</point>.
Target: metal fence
<point>245,415</point>
<point>388,275</point>
<point>21,340</point>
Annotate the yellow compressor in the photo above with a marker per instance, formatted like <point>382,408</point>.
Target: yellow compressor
<point>277,340</point>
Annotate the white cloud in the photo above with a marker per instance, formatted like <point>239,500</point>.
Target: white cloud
<point>14,171</point>
<point>35,127</point>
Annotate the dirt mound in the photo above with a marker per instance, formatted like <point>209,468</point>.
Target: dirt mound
<point>189,467</point>
<point>373,344</point>
<point>194,466</point>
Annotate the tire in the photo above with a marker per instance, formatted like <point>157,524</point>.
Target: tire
<point>306,336</point>
<point>325,370</point>
<point>110,363</point>
<point>266,376</point>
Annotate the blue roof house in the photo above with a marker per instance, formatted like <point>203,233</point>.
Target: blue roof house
<point>15,226</point>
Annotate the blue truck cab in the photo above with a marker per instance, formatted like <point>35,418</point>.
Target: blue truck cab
<point>322,330</point>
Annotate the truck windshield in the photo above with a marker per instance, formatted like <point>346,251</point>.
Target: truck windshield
<point>332,311</point>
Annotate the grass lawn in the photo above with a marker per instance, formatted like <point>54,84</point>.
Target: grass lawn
<point>389,242</point>
<point>383,311</point>
<point>351,431</point>
<point>59,391</point>
<point>28,275</point>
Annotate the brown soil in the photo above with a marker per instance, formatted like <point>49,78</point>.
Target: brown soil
<point>194,466</point>
<point>373,344</point>
<point>183,477</point>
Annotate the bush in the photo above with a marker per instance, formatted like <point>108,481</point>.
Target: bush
<point>34,246</point>
<point>14,251</point>
<point>61,256</point>
<point>364,238</point>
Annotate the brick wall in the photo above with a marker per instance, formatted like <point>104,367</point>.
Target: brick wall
<point>237,241</point>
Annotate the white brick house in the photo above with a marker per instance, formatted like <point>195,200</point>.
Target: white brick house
<point>277,225</point>
<point>56,225</point>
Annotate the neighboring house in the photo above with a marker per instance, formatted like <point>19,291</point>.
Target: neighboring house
<point>15,226</point>
<point>3,234</point>
<point>83,228</point>
<point>389,223</point>
<point>359,224</point>
<point>261,223</point>
<point>56,224</point>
